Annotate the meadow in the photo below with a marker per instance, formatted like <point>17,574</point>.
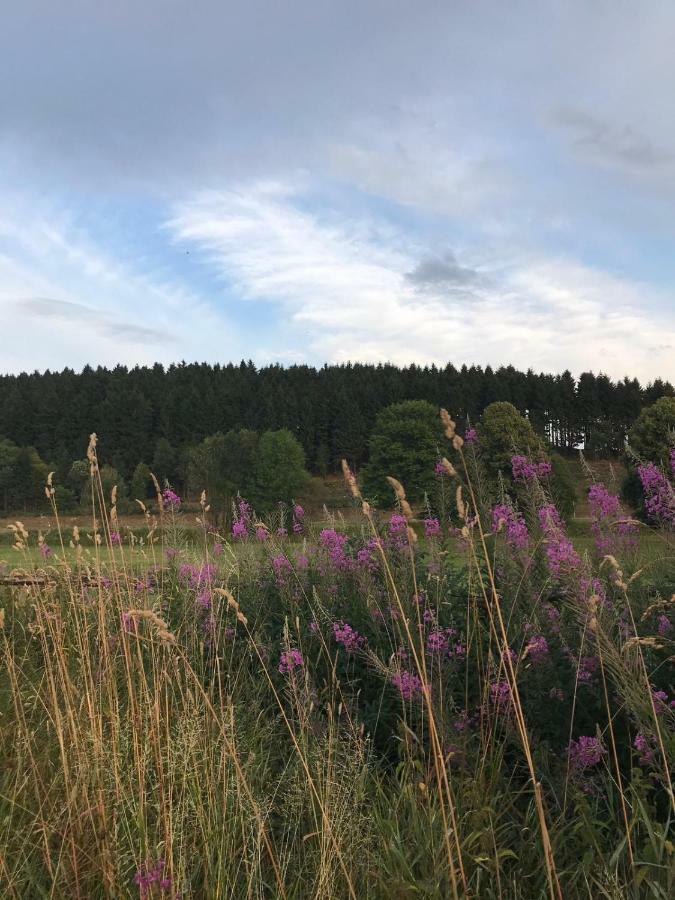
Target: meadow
<point>476,701</point>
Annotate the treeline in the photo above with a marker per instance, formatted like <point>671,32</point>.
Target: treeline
<point>154,415</point>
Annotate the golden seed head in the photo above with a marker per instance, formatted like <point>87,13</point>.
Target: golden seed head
<point>350,480</point>
<point>449,468</point>
<point>448,423</point>
<point>457,442</point>
<point>397,486</point>
<point>461,505</point>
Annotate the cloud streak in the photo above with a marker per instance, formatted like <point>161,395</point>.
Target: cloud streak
<point>350,289</point>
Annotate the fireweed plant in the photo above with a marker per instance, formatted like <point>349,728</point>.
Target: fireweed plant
<point>458,701</point>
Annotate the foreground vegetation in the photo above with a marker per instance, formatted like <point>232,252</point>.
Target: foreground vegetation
<point>446,701</point>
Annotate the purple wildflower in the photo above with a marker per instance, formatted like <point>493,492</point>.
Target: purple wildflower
<point>290,660</point>
<point>659,494</point>
<point>512,522</point>
<point>665,626</point>
<point>523,469</point>
<point>171,499</point>
<point>471,436</point>
<point>350,639</point>
<point>432,527</point>
<point>562,557</point>
<point>585,753</point>
<point>239,529</point>
<point>537,649</point>
<point>46,551</point>
<point>409,685</point>
<point>298,511</point>
<point>282,568</point>
<point>261,533</point>
<point>645,748</point>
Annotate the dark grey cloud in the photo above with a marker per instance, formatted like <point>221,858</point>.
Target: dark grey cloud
<point>612,143</point>
<point>80,314</point>
<point>443,273</point>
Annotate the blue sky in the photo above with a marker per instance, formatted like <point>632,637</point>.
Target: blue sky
<point>474,182</point>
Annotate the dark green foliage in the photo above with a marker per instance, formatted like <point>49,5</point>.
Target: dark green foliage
<point>165,462</point>
<point>653,435</point>
<point>405,443</point>
<point>504,433</point>
<point>563,487</point>
<point>155,413</point>
<point>141,484</point>
<point>279,471</point>
<point>222,465</point>
<point>266,469</point>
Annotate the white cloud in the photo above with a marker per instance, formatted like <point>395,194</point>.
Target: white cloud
<point>342,288</point>
<point>67,300</point>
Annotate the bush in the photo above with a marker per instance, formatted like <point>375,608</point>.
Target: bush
<point>405,443</point>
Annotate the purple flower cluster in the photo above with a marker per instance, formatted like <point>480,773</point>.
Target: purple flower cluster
<point>523,469</point>
<point>440,642</point>
<point>506,517</point>
<point>46,551</point>
<point>350,639</point>
<point>398,531</point>
<point>198,576</point>
<point>440,469</point>
<point>171,499</point>
<point>662,702</point>
<point>409,685</point>
<point>432,527</point>
<point>151,874</point>
<point>471,436</point>
<point>562,557</point>
<point>239,530</point>
<point>537,649</point>
<point>585,753</point>
<point>659,494</point>
<point>500,693</point>
<point>611,534</point>
<point>665,626</point>
<point>298,516</point>
<point>282,569</point>
<point>336,544</point>
<point>645,747</point>
<point>290,660</point>
<point>261,533</point>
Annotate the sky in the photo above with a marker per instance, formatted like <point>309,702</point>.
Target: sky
<point>305,181</point>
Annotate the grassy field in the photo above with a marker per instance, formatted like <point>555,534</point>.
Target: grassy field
<point>379,707</point>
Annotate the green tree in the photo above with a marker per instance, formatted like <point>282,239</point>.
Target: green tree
<point>8,454</point>
<point>653,435</point>
<point>164,462</point>
<point>224,465</point>
<point>279,472</point>
<point>141,483</point>
<point>27,479</point>
<point>78,479</point>
<point>405,443</point>
<point>563,488</point>
<point>504,433</point>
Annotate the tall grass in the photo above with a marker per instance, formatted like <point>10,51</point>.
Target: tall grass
<point>338,716</point>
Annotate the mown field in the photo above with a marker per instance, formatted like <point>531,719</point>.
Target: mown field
<point>380,704</point>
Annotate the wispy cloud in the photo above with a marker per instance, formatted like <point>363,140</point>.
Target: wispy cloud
<point>69,296</point>
<point>78,315</point>
<point>614,145</point>
<point>346,288</point>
